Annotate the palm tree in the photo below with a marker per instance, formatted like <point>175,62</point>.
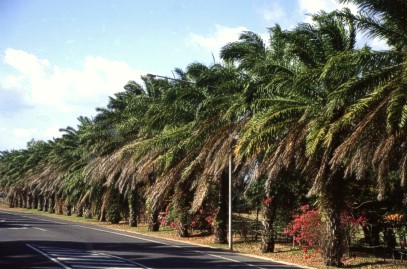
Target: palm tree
<point>220,118</point>
<point>378,120</point>
<point>267,65</point>
<point>301,101</point>
<point>159,153</point>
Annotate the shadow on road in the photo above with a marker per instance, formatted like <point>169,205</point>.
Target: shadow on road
<point>15,254</point>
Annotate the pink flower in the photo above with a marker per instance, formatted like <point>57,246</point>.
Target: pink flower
<point>267,200</point>
<point>304,208</point>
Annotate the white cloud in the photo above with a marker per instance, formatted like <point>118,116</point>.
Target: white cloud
<point>216,40</point>
<point>53,132</point>
<point>40,97</point>
<point>378,44</point>
<point>275,13</point>
<point>65,89</point>
<point>24,133</point>
<point>312,6</point>
<point>288,17</point>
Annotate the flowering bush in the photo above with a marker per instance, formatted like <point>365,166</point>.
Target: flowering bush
<point>180,220</point>
<point>398,222</point>
<point>202,221</point>
<point>267,200</point>
<point>351,225</point>
<point>307,227</point>
<point>394,219</point>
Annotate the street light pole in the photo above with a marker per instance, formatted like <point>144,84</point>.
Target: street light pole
<point>230,203</point>
<point>152,76</point>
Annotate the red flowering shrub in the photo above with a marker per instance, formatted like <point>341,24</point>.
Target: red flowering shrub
<point>351,225</point>
<point>202,221</point>
<point>171,217</point>
<point>308,230</point>
<point>306,227</point>
<point>267,200</point>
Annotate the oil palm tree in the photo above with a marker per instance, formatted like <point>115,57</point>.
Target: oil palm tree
<point>267,65</point>
<point>219,119</point>
<point>378,120</point>
<point>160,152</point>
<point>301,102</point>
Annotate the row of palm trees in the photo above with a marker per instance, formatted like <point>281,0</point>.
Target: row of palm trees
<point>308,106</point>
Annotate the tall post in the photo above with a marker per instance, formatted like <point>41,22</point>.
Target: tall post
<point>230,203</point>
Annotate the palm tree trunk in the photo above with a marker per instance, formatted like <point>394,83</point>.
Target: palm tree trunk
<point>79,211</point>
<point>24,198</point>
<point>183,229</point>
<point>332,204</point>
<point>46,204</point>
<point>59,205</point>
<point>154,224</point>
<point>133,208</point>
<point>51,204</point>
<point>221,219</point>
<point>29,201</point>
<point>333,247</point>
<point>113,213</point>
<point>102,214</point>
<point>11,201</point>
<point>20,200</point>
<point>267,235</point>
<point>68,209</point>
<point>40,203</point>
<point>35,201</point>
<point>87,210</point>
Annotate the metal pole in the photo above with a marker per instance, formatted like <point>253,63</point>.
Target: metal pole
<point>230,203</point>
<point>153,76</point>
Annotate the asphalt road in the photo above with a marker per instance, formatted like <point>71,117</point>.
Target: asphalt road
<point>31,241</point>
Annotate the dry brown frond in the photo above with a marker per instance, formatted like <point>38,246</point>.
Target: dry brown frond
<point>201,190</point>
<point>287,153</point>
<point>359,163</point>
<point>343,149</point>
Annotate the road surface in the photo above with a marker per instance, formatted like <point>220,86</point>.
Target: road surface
<point>32,241</point>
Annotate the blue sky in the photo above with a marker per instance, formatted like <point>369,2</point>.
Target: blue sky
<point>62,59</point>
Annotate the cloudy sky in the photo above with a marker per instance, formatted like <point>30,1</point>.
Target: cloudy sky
<point>62,59</point>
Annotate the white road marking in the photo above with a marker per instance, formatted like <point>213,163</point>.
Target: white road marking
<point>57,222</point>
<point>75,258</point>
<point>49,257</point>
<point>154,241</point>
<point>126,235</point>
<point>120,258</point>
<point>158,242</point>
<point>53,221</point>
<point>40,229</point>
